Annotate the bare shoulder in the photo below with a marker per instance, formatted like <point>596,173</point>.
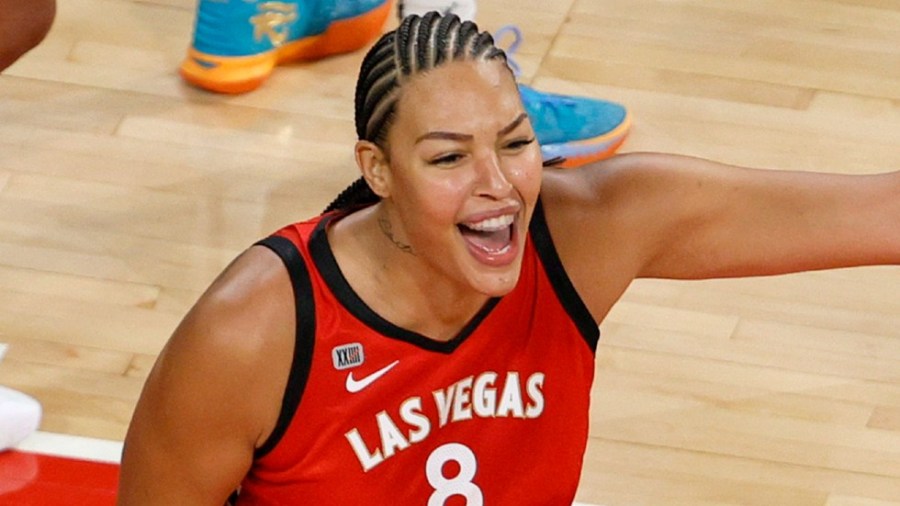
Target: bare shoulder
<point>214,394</point>
<point>593,218</point>
<point>608,196</point>
<point>250,304</point>
<point>619,179</point>
<point>607,219</point>
<point>240,330</point>
<point>627,191</point>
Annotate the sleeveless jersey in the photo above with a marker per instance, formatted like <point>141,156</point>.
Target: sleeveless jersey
<point>376,414</point>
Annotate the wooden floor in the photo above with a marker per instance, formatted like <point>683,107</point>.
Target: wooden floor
<point>123,193</point>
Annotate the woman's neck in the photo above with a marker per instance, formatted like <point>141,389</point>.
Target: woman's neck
<point>396,284</point>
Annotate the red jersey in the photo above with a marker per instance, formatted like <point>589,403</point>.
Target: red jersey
<point>376,414</point>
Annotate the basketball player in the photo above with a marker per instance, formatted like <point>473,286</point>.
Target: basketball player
<point>23,25</point>
<point>430,339</point>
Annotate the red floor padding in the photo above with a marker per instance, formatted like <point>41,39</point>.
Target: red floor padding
<point>41,480</point>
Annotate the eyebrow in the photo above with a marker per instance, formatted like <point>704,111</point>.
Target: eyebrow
<point>512,126</point>
<point>454,136</point>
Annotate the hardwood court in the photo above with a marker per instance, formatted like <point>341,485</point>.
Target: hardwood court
<point>123,193</point>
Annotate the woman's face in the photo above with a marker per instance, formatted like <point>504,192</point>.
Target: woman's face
<point>465,173</point>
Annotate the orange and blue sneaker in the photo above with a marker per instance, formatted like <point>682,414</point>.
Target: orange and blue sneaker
<point>578,130</point>
<point>238,43</point>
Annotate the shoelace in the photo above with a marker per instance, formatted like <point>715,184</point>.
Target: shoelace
<point>545,99</point>
<point>499,35</point>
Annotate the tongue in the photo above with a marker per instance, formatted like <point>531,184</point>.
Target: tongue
<point>488,241</point>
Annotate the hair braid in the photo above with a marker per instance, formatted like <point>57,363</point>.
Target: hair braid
<point>446,35</point>
<point>372,69</point>
<point>425,41</point>
<point>356,195</point>
<point>418,45</point>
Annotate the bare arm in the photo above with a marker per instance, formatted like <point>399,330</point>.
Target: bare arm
<point>670,216</point>
<point>215,392</point>
<point>23,25</point>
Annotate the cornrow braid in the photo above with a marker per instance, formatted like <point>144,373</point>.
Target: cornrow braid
<point>358,194</point>
<point>418,45</point>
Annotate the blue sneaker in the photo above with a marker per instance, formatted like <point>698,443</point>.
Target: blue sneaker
<point>238,43</point>
<point>579,130</point>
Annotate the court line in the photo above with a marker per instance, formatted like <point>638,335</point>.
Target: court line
<point>75,447</point>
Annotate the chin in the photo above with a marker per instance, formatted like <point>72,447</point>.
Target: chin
<point>497,284</point>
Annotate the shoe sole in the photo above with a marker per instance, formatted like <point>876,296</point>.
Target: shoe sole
<point>578,153</point>
<point>240,74</point>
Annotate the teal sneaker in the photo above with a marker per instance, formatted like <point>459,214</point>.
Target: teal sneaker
<point>578,130</point>
<point>238,43</point>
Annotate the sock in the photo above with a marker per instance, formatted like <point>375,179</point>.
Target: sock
<point>465,9</point>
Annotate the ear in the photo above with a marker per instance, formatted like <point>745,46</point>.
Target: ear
<point>372,162</point>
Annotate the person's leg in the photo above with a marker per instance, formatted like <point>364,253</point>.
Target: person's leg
<point>23,25</point>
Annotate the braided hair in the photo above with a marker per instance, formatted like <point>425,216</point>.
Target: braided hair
<point>419,44</point>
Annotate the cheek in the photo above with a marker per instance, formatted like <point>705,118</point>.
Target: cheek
<point>526,175</point>
<point>435,200</point>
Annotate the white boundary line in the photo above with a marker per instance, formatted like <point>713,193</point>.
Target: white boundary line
<point>62,445</point>
<point>76,447</point>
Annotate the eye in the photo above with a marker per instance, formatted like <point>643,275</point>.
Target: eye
<point>448,159</point>
<point>519,143</point>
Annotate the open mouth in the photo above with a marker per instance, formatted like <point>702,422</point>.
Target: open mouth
<point>491,238</point>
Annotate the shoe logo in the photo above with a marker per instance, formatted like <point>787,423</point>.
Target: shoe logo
<point>354,385</point>
<point>205,63</point>
<point>273,21</point>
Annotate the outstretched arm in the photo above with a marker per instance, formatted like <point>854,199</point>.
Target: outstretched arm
<point>667,216</point>
<point>215,392</point>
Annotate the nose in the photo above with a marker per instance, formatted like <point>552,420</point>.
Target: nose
<point>492,179</point>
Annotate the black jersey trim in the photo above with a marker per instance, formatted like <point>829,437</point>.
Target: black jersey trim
<point>562,284</point>
<point>304,337</point>
<point>323,257</point>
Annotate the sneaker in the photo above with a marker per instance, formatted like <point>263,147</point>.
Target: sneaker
<point>578,130</point>
<point>237,43</point>
<point>465,9</point>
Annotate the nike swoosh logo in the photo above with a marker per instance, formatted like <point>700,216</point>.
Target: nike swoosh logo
<point>354,386</point>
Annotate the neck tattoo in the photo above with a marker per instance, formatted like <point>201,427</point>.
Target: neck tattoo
<point>387,230</point>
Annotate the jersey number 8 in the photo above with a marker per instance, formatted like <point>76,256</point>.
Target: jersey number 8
<point>461,484</point>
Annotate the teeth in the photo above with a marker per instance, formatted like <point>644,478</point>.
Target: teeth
<point>492,224</point>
